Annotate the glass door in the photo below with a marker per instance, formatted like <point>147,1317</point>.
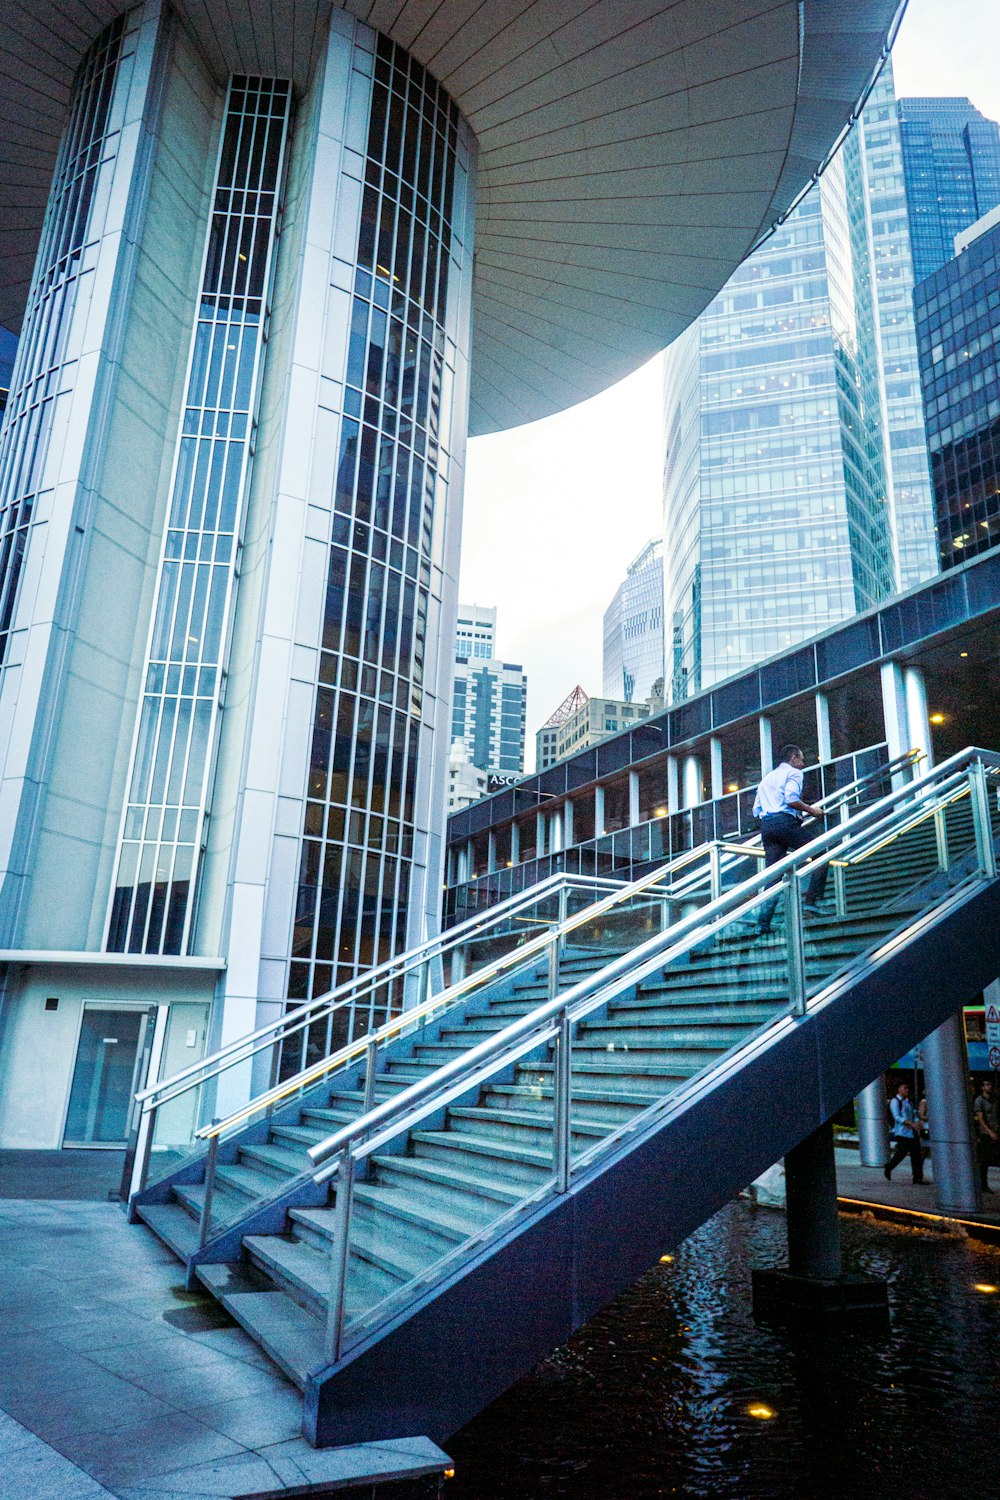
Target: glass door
<point>113,1047</point>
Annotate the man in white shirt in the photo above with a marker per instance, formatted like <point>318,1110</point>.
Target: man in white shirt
<point>905,1135</point>
<point>778,804</point>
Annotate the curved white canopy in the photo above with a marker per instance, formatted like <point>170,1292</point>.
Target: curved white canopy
<point>631,151</point>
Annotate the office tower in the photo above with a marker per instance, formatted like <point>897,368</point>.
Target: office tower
<point>490,696</point>
<point>885,200</point>
<point>796,489</point>
<point>238,253</point>
<point>466,782</point>
<point>633,629</point>
<point>958,328</point>
<point>951,163</point>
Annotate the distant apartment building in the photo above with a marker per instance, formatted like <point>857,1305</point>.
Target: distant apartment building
<point>633,629</point>
<point>466,782</point>
<point>958,328</point>
<point>489,701</point>
<point>580,721</point>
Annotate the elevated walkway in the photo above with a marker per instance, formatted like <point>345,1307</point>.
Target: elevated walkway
<point>410,1222</point>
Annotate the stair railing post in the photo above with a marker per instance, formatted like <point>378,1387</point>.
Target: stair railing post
<point>840,874</point>
<point>562,1074</point>
<point>981,820</point>
<point>555,943</point>
<point>211,1161</point>
<point>338,1257</point>
<point>714,871</point>
<point>796,944</point>
<point>458,963</point>
<point>143,1149</point>
<point>368,1101</point>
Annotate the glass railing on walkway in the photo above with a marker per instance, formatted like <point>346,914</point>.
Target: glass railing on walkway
<point>625,1047</point>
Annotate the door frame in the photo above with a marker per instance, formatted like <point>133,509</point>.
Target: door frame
<point>155,1012</point>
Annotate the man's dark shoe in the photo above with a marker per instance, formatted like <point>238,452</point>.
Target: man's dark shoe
<point>887,1174</point>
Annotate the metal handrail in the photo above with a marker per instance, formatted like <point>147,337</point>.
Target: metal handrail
<point>242,1048</point>
<point>663,947</point>
<point>516,958</point>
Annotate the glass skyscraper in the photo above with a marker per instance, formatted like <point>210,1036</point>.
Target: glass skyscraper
<point>884,191</point>
<point>796,487</point>
<point>633,629</point>
<point>958,326</point>
<point>951,163</point>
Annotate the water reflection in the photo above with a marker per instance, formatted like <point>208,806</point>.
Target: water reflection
<point>654,1397</point>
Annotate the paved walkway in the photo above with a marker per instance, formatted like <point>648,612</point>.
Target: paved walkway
<point>868,1185</point>
<point>63,1175</point>
<point>115,1381</point>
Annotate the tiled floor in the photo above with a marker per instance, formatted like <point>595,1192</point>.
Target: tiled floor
<point>112,1375</point>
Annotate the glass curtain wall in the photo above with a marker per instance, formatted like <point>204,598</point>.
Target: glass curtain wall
<point>162,829</point>
<point>358,832</point>
<point>57,307</point>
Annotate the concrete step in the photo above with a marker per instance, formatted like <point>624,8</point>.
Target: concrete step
<point>588,1103</point>
<point>466,1195</point>
<point>173,1225</point>
<point>528,1127</point>
<point>614,1070</point>
<point>303,1273</point>
<point>287,1333</point>
<point>374,1241</point>
<point>475,1154</point>
<point>634,1034</point>
<point>278,1162</point>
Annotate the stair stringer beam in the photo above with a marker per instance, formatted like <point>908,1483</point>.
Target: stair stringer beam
<point>471,1338</point>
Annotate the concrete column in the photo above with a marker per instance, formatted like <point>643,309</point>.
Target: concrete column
<point>824,744</point>
<point>811,1199</point>
<point>598,812</point>
<point>894,713</point>
<point>555,831</point>
<point>766,745</point>
<point>873,1124</point>
<point>953,1152</point>
<point>673,792</point>
<point>567,824</point>
<point>693,789</point>
<point>715,767</point>
<point>539,834</point>
<point>491,852</point>
<point>918,722</point>
<point>633,798</point>
<point>515,843</point>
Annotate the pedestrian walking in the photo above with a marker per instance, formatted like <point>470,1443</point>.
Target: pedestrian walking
<point>780,808</point>
<point>986,1113</point>
<point>906,1134</point>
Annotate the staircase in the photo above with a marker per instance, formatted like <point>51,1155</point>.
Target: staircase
<point>460,1246</point>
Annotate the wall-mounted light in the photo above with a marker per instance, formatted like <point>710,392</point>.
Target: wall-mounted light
<point>937,718</point>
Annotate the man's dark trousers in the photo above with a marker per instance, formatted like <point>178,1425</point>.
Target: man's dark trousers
<point>907,1147</point>
<point>780,833</point>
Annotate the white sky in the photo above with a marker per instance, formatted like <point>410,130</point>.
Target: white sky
<point>555,511</point>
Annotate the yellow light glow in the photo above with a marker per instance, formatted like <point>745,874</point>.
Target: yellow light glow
<point>510,864</point>
<point>659,812</point>
<point>665,1260</point>
<point>985,1286</point>
<point>937,718</point>
<point>449,1473</point>
<point>733,786</point>
<point>758,1409</point>
<point>963,653</point>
